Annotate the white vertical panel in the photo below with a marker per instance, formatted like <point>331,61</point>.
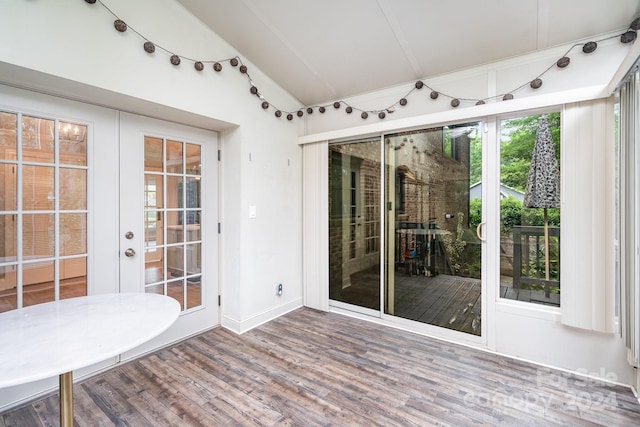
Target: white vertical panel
<point>587,233</point>
<point>315,225</point>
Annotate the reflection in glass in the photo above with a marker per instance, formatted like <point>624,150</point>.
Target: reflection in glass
<point>175,290</point>
<point>8,283</point>
<point>8,230</point>
<point>194,291</point>
<point>174,157</point>
<point>152,154</point>
<point>153,191</point>
<point>174,192</point>
<point>38,279</point>
<point>153,265</point>
<point>73,273</point>
<point>155,289</point>
<point>73,234</point>
<point>530,265</point>
<point>8,183</point>
<point>193,193</point>
<point>193,159</point>
<point>175,261</point>
<point>38,234</point>
<point>433,255</point>
<point>354,223</point>
<point>8,135</point>
<point>193,259</point>
<point>38,191</point>
<point>73,143</point>
<point>38,139</point>
<point>73,189</point>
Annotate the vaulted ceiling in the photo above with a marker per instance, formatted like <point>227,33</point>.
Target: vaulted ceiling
<point>321,50</point>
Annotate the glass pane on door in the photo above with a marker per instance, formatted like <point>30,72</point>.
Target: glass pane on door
<point>354,223</point>
<point>433,254</point>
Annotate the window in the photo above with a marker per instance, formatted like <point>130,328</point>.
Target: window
<point>530,209</point>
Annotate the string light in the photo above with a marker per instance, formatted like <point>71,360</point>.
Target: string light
<point>628,36</point>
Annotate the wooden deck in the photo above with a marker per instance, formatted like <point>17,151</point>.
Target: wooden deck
<point>311,368</point>
<point>448,301</point>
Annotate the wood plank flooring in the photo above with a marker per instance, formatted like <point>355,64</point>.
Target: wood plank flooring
<point>311,368</point>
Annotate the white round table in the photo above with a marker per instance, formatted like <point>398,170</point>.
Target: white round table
<point>55,338</point>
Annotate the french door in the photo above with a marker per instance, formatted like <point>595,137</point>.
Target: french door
<point>169,218</point>
<point>94,201</point>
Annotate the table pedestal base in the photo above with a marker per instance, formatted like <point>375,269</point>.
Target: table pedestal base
<point>66,399</point>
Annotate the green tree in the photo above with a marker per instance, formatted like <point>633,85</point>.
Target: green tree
<point>518,137</point>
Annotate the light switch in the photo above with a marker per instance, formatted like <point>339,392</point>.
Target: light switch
<point>252,212</point>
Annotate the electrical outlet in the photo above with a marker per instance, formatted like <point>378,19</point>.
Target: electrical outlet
<point>279,289</point>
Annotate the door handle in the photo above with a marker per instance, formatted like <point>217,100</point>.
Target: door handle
<point>479,232</point>
<point>130,252</point>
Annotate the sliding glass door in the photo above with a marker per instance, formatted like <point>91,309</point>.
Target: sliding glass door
<point>428,196</point>
<point>433,252</point>
<point>354,223</point>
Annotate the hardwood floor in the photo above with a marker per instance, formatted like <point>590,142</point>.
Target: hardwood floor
<point>311,368</point>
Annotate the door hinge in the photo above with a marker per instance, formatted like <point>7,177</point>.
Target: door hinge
<point>219,155</point>
<point>219,300</point>
<point>219,228</point>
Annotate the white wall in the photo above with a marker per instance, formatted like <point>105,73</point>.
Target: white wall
<point>72,48</point>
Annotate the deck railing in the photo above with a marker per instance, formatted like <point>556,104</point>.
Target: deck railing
<point>529,257</point>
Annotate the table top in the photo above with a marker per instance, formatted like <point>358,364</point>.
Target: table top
<point>53,338</point>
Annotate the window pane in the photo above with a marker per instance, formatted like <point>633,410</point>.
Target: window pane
<point>530,209</point>
<point>194,291</point>
<point>8,230</point>
<point>38,236</point>
<point>153,265</point>
<point>8,135</point>
<point>193,229</point>
<point>175,290</point>
<point>153,191</point>
<point>37,139</point>
<point>174,227</point>
<point>8,182</point>
<point>38,191</point>
<point>193,159</point>
<point>38,283</point>
<point>153,229</point>
<point>8,283</point>
<point>174,157</point>
<point>73,277</point>
<point>73,234</point>
<point>73,143</point>
<point>175,261</point>
<point>152,154</point>
<point>193,259</point>
<point>174,192</point>
<point>193,193</point>
<point>73,189</point>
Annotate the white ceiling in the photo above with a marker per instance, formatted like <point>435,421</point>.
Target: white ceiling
<point>322,50</point>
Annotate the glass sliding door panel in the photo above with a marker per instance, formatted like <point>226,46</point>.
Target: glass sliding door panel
<point>433,254</point>
<point>354,222</point>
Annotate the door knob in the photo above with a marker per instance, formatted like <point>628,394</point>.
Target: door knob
<point>130,252</point>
